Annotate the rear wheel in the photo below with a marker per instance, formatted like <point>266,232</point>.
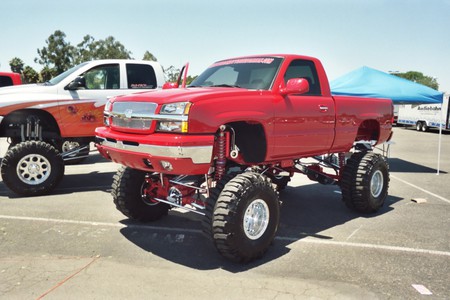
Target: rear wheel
<point>419,126</point>
<point>32,168</point>
<point>133,195</point>
<point>246,217</point>
<point>424,127</point>
<point>365,182</point>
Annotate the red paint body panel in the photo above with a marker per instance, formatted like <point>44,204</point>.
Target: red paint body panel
<point>10,78</point>
<point>295,125</point>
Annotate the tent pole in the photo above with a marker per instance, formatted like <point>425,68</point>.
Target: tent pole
<point>440,134</point>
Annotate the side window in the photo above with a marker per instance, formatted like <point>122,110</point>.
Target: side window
<point>141,76</point>
<point>304,69</point>
<point>103,77</point>
<point>5,81</point>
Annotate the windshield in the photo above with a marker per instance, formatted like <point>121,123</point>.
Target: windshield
<point>250,73</point>
<point>63,75</point>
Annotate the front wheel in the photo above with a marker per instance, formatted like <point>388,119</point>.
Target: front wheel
<point>365,182</point>
<point>246,217</point>
<point>134,194</point>
<point>32,168</point>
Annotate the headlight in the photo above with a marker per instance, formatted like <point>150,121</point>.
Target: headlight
<point>179,108</point>
<point>172,124</point>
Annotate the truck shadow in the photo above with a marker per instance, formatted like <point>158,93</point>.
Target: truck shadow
<point>403,166</point>
<point>306,211</point>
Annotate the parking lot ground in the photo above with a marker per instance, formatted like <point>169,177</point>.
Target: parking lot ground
<point>74,244</point>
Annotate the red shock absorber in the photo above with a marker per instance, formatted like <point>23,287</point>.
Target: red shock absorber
<point>221,160</point>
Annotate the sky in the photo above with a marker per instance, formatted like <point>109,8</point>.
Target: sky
<point>388,35</point>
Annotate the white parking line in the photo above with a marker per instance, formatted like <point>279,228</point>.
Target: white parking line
<point>421,189</point>
<point>196,231</point>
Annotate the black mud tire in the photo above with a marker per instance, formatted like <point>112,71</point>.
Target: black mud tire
<point>365,182</point>
<point>211,202</point>
<point>32,168</point>
<point>127,195</point>
<point>231,237</point>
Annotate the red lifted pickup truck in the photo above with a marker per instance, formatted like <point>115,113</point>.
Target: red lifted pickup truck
<point>224,146</point>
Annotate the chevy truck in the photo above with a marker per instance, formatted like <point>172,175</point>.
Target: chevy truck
<point>53,123</point>
<point>225,146</point>
<point>9,78</point>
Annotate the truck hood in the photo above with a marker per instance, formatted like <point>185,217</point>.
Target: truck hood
<point>193,94</point>
<point>25,88</point>
<point>28,93</point>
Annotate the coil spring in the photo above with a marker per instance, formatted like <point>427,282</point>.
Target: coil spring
<point>221,158</point>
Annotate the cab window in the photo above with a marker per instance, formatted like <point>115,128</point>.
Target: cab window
<point>304,69</point>
<point>141,76</point>
<point>104,77</point>
<point>5,81</point>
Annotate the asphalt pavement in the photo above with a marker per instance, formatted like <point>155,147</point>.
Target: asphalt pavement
<point>74,244</point>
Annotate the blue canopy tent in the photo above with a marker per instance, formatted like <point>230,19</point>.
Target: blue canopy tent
<point>368,82</point>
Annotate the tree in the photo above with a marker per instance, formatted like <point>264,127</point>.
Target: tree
<point>109,48</point>
<point>58,56</point>
<point>419,77</point>
<point>29,75</point>
<point>46,74</point>
<point>172,74</point>
<point>149,56</point>
<point>16,65</point>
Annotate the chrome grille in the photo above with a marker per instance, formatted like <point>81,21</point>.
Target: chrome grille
<point>133,115</point>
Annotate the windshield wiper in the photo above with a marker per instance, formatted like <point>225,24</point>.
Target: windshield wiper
<point>225,85</point>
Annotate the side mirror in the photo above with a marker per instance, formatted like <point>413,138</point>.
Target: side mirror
<point>170,85</point>
<point>77,83</point>
<point>295,86</point>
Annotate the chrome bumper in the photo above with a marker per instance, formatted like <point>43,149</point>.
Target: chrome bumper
<point>198,154</point>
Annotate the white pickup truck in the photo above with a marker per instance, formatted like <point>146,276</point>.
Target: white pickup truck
<point>52,123</point>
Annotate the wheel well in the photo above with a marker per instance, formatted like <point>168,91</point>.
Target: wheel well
<point>251,140</point>
<point>368,130</point>
<point>11,124</point>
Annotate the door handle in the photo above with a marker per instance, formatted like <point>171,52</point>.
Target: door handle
<point>323,108</point>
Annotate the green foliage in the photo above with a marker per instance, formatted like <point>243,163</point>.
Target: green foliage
<point>29,75</point>
<point>109,48</point>
<point>149,56</point>
<point>172,74</point>
<point>58,55</point>
<point>16,65</point>
<point>47,74</point>
<point>420,78</point>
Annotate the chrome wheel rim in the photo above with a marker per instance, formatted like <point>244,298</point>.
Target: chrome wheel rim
<point>256,219</point>
<point>376,184</point>
<point>33,169</point>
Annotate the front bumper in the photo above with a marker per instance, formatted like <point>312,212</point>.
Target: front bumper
<point>158,152</point>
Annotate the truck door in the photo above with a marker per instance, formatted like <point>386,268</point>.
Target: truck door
<point>83,110</point>
<point>304,124</point>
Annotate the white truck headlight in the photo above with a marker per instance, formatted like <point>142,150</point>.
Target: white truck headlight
<point>177,120</point>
